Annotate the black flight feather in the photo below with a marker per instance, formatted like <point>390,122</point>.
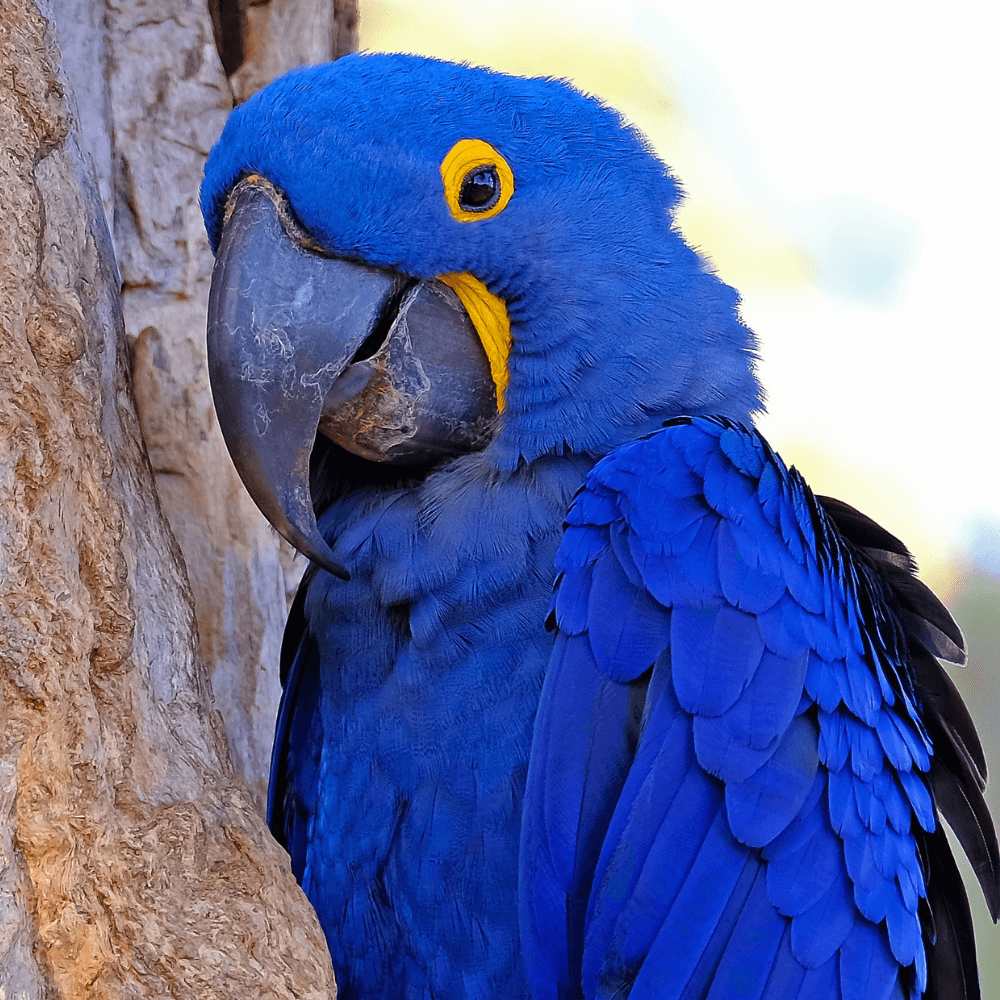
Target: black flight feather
<point>958,767</point>
<point>949,938</point>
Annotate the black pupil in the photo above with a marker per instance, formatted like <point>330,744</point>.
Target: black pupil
<point>480,190</point>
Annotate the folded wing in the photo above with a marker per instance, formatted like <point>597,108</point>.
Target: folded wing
<point>743,742</point>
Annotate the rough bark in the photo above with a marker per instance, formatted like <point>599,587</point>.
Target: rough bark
<point>169,99</point>
<point>152,98</point>
<point>133,862</point>
<point>281,34</point>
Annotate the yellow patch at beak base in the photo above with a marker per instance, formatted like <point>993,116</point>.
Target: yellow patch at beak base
<point>489,316</point>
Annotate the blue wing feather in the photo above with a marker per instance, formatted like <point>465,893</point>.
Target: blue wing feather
<point>787,974</point>
<point>660,951</point>
<point>820,930</point>
<point>778,778</point>
<point>722,636</point>
<point>704,973</point>
<point>579,786</point>
<point>625,643</point>
<point>754,946</point>
<point>294,778</point>
<point>762,805</point>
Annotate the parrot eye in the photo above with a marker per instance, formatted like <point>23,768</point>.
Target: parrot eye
<point>478,181</point>
<point>480,190</point>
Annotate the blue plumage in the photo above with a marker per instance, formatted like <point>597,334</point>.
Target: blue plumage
<point>809,784</point>
<point>726,788</point>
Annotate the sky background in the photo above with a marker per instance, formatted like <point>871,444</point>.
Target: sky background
<point>840,162</point>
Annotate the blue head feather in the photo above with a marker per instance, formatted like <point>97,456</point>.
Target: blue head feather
<point>616,323</point>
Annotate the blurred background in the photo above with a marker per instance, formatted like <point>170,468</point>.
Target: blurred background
<point>841,171</point>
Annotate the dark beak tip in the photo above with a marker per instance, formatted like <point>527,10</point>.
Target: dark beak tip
<point>306,538</point>
<point>322,557</point>
<point>338,571</point>
<point>326,562</point>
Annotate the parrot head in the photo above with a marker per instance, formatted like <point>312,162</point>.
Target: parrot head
<point>420,260</point>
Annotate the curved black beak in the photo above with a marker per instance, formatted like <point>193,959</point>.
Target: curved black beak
<point>389,368</point>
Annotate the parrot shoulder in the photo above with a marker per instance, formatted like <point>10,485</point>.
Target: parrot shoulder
<point>743,743</point>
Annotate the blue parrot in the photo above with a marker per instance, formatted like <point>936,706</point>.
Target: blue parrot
<point>586,694</point>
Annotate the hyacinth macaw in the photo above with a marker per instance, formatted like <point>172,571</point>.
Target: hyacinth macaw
<point>585,693</point>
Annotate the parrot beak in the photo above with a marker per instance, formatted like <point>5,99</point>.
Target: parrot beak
<point>299,342</point>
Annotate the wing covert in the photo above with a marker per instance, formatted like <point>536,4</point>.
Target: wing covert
<point>747,759</point>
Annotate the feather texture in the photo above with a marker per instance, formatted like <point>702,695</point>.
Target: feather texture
<point>775,827</point>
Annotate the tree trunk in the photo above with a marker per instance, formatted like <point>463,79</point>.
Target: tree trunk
<point>152,98</point>
<point>133,860</point>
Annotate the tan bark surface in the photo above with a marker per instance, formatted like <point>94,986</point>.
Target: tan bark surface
<point>152,99</point>
<point>132,862</point>
<point>168,101</point>
<point>282,34</point>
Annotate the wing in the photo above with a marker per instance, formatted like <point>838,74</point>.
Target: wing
<point>740,742</point>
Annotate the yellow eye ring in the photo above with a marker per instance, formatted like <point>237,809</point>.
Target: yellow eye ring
<point>474,172</point>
